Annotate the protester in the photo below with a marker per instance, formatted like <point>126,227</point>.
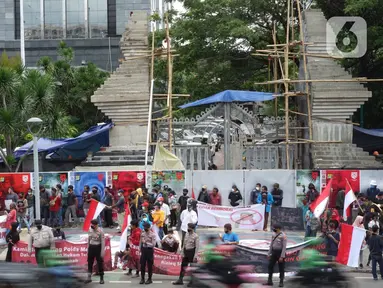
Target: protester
<point>44,204</point>
<point>135,203</point>
<point>277,254</point>
<point>312,224</point>
<point>374,221</point>
<point>54,207</point>
<point>86,195</point>
<point>229,237</point>
<point>108,201</point>
<point>173,208</point>
<point>190,249</point>
<point>166,209</point>
<point>379,198</point>
<point>265,198</point>
<point>254,194</point>
<point>375,244</point>
<point>123,256</point>
<point>235,197</point>
<point>71,210</point>
<point>148,241</point>
<point>359,223</point>
<point>215,197</point>
<point>203,195</point>
<point>339,204</point>
<point>60,194</point>
<point>277,195</point>
<point>183,200</point>
<point>372,191</point>
<point>145,219</point>
<point>158,219</point>
<point>188,216</point>
<point>312,194</point>
<point>134,239</point>
<point>120,205</point>
<point>11,195</point>
<point>11,239</point>
<point>58,234</point>
<point>11,216</point>
<point>170,242</point>
<point>332,241</point>
<point>31,207</point>
<point>22,210</point>
<point>96,250</point>
<point>41,238</point>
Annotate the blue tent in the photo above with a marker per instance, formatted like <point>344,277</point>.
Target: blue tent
<point>232,96</point>
<point>72,148</point>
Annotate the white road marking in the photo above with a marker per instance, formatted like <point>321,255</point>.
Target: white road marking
<point>363,277</point>
<point>157,282</point>
<point>120,282</point>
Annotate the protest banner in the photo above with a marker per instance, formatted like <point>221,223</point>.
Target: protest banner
<point>173,179</point>
<point>76,252</point>
<point>3,229</point>
<point>250,217</point>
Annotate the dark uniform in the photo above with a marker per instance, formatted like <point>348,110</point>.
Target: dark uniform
<point>96,250</point>
<point>277,251</point>
<point>147,243</point>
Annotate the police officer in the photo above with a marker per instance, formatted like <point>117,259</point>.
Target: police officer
<point>96,250</point>
<point>147,243</point>
<point>277,254</point>
<point>41,237</point>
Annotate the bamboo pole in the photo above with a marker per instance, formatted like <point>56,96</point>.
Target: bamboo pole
<point>307,90</point>
<point>275,67</point>
<point>287,85</point>
<point>170,86</point>
<point>152,77</point>
<point>361,80</point>
<point>176,95</point>
<point>292,54</point>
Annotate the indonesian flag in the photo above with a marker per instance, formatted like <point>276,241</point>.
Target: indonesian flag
<point>193,195</point>
<point>351,241</point>
<point>320,203</point>
<point>95,209</point>
<point>124,229</point>
<point>349,198</point>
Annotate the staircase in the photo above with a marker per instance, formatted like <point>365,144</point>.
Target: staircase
<point>336,101</point>
<point>124,98</point>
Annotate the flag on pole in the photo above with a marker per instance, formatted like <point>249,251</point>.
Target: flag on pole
<point>349,198</point>
<point>320,204</point>
<point>193,195</point>
<point>95,209</point>
<point>124,229</point>
<point>350,243</point>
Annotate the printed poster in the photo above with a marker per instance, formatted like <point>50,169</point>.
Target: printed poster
<point>80,179</point>
<point>128,181</point>
<point>304,178</point>
<point>51,179</point>
<point>173,179</point>
<point>20,182</point>
<point>339,182</point>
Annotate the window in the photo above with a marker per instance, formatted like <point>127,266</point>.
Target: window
<point>75,19</point>
<point>32,19</point>
<point>53,19</point>
<point>98,18</point>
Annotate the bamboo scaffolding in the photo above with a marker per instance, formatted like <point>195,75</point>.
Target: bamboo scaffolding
<point>270,53</point>
<point>281,81</point>
<point>275,67</point>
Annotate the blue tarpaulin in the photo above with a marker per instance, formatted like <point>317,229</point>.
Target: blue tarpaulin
<point>232,96</point>
<point>71,148</point>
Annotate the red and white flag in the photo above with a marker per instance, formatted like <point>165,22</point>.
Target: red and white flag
<point>124,229</point>
<point>349,198</point>
<point>320,204</point>
<point>95,209</point>
<point>350,243</point>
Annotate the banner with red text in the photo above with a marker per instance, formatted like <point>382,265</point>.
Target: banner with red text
<point>250,217</point>
<point>76,252</point>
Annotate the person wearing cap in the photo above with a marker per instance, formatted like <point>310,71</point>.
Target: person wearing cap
<point>277,254</point>
<point>120,205</point>
<point>147,242</point>
<point>373,190</point>
<point>203,195</point>
<point>189,251</point>
<point>41,238</point>
<point>71,210</point>
<point>96,250</point>
<point>159,219</point>
<point>188,216</point>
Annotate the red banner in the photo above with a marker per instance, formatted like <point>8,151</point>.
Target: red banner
<point>339,182</point>
<point>128,180</point>
<point>76,252</point>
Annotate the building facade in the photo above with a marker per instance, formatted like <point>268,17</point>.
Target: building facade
<point>91,27</point>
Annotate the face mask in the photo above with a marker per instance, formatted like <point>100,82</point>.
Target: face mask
<point>160,202</point>
<point>189,208</point>
<point>185,193</point>
<point>232,190</point>
<point>39,227</point>
<point>189,229</point>
<point>145,219</point>
<point>93,227</point>
<point>258,188</point>
<point>119,194</point>
<point>29,193</point>
<point>94,191</point>
<point>275,230</point>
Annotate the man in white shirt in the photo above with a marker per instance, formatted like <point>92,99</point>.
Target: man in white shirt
<point>187,216</point>
<point>165,207</point>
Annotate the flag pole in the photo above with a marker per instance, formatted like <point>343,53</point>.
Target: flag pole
<point>357,202</point>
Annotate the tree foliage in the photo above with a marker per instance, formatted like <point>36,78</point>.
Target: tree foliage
<point>58,93</point>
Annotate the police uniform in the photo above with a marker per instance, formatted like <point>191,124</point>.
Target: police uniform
<point>147,242</point>
<point>96,250</point>
<point>41,237</point>
<point>277,250</point>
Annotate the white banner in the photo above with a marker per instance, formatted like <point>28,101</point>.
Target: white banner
<point>3,229</point>
<point>250,217</point>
